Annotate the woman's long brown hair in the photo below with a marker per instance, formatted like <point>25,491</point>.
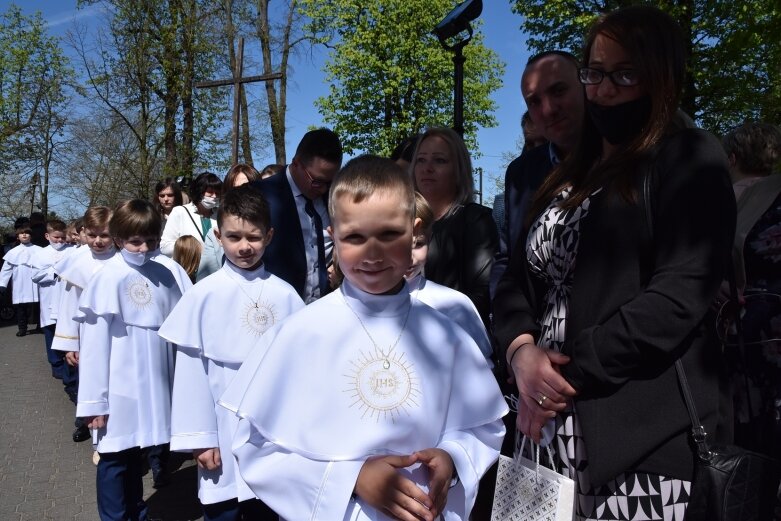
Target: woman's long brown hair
<point>655,44</point>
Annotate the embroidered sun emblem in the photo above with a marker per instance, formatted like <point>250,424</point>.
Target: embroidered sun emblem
<point>139,293</point>
<point>383,386</point>
<point>258,317</point>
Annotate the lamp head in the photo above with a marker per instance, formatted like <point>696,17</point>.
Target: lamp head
<point>458,20</point>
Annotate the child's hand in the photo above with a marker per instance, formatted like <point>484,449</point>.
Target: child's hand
<point>208,459</point>
<point>440,470</point>
<point>72,358</point>
<point>96,422</point>
<point>381,486</point>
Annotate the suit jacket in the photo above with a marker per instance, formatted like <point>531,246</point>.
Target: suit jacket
<point>285,256</point>
<point>524,176</point>
<point>638,302</point>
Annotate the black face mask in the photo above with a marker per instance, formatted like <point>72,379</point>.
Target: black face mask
<point>620,123</point>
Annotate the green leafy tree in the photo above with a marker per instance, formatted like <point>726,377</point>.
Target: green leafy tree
<point>390,77</point>
<point>33,72</point>
<point>29,60</point>
<point>734,50</point>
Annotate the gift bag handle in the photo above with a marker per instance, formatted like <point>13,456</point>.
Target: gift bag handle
<point>535,455</point>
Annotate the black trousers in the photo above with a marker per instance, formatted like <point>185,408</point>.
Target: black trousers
<point>23,312</point>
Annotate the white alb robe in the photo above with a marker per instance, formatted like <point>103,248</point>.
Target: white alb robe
<point>59,288</point>
<point>75,270</point>
<point>181,276</point>
<point>18,267</point>
<point>318,397</point>
<point>43,275</point>
<point>456,306</point>
<point>127,369</point>
<point>214,326</point>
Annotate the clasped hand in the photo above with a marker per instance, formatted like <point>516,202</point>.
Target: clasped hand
<point>380,485</point>
<point>542,390</point>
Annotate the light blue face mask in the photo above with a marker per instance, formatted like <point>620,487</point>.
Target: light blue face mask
<point>135,258</point>
<point>209,202</point>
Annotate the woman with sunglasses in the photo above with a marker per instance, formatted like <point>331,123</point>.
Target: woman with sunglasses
<point>607,297</point>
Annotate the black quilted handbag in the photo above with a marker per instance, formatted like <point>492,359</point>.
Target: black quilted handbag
<point>730,483</point>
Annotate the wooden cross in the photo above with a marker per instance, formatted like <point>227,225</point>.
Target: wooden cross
<point>237,80</point>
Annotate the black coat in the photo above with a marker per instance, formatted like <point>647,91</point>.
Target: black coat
<point>524,176</point>
<point>461,252</point>
<point>637,303</point>
<point>285,256</point>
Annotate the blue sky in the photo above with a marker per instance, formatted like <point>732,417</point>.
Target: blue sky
<point>502,33</point>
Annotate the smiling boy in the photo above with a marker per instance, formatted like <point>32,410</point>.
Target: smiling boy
<point>352,409</point>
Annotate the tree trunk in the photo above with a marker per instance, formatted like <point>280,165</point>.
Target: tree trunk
<point>277,101</point>
<point>190,16</point>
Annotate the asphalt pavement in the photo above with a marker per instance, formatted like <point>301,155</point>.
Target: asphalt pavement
<point>44,475</point>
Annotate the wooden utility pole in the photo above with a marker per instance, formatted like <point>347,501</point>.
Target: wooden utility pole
<point>237,81</point>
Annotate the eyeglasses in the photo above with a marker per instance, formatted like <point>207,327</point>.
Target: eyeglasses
<point>316,183</point>
<point>622,78</point>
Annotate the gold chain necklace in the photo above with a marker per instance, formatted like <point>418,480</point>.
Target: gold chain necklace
<point>385,362</point>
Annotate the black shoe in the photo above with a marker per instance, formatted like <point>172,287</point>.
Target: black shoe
<point>81,434</point>
<point>21,333</point>
<point>161,479</point>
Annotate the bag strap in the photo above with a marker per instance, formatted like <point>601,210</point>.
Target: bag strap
<point>699,435</point>
<point>203,236</point>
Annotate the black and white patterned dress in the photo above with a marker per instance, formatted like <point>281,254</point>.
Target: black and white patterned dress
<point>551,249</point>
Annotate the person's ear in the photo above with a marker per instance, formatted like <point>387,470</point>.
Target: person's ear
<point>269,236</point>
<point>330,231</point>
<point>218,235</point>
<point>417,224</point>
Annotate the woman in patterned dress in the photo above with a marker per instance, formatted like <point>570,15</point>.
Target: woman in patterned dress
<point>602,304</point>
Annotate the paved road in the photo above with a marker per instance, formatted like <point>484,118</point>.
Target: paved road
<point>43,474</point>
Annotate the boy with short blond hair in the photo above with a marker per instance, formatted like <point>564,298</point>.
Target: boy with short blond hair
<point>47,281</point>
<point>367,404</point>
<point>75,271</point>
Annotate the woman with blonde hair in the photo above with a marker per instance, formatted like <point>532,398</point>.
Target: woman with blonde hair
<point>464,237</point>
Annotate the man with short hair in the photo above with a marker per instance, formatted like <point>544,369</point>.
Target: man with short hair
<point>556,103</point>
<point>301,248</point>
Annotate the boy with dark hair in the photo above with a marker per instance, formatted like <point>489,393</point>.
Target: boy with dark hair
<point>215,326</point>
<point>18,268</point>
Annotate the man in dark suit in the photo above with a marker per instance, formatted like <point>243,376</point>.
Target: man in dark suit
<point>301,248</point>
<point>556,103</point>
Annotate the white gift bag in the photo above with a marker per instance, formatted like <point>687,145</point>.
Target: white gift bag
<point>528,491</point>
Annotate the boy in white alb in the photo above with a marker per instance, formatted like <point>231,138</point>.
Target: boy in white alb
<point>367,404</point>
<point>215,326</point>
<point>18,268</point>
<point>126,368</point>
<point>453,304</point>
<point>75,271</point>
<point>47,281</point>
